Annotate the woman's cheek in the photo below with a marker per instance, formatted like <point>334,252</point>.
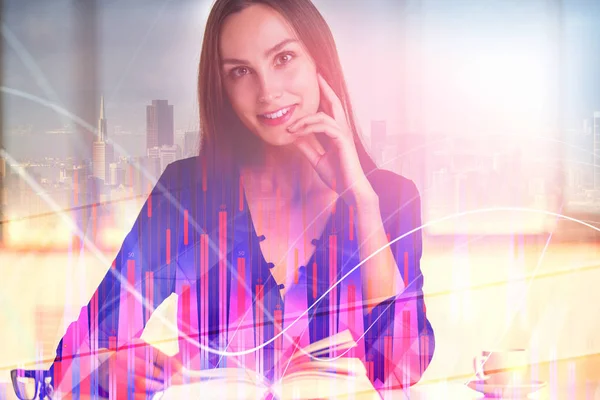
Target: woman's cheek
<point>237,90</point>
<point>304,80</point>
<point>241,95</point>
<point>296,73</point>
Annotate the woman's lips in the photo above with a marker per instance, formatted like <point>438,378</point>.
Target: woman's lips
<point>278,121</point>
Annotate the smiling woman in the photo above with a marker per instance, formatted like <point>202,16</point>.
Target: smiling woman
<point>264,86</point>
<point>261,61</point>
<point>282,232</point>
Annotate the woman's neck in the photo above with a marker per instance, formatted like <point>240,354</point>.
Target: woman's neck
<point>282,172</point>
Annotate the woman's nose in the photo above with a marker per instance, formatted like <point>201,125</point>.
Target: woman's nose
<point>270,90</point>
<point>267,98</point>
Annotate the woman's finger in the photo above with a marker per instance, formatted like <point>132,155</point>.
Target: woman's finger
<point>175,368</point>
<point>142,387</point>
<point>143,365</point>
<point>332,132</point>
<point>145,385</point>
<point>336,105</point>
<point>310,151</point>
<point>167,368</point>
<point>319,117</point>
<point>143,360</point>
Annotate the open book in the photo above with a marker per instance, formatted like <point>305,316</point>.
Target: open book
<point>304,377</point>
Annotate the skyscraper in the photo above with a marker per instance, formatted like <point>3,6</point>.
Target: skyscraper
<point>159,124</point>
<point>191,143</point>
<point>116,174</point>
<point>167,155</point>
<point>102,152</point>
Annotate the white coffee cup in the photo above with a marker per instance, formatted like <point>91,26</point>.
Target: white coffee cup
<point>504,367</point>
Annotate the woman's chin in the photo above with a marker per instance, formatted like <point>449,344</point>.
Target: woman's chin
<point>282,140</point>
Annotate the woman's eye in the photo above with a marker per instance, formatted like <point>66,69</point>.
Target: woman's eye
<point>282,59</point>
<point>237,72</point>
<point>286,57</point>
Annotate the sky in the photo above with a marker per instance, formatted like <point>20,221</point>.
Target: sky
<point>424,66</point>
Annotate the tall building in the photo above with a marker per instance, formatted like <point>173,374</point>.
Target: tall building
<point>168,154</point>
<point>117,174</point>
<point>159,124</point>
<point>102,131</point>
<point>191,144</point>
<point>102,152</point>
<point>153,152</point>
<point>165,155</point>
<point>596,163</point>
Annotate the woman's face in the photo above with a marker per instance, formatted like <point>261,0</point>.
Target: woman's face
<point>270,80</point>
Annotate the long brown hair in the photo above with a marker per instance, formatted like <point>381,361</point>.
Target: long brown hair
<point>224,139</point>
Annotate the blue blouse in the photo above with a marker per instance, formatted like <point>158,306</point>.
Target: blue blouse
<point>195,237</point>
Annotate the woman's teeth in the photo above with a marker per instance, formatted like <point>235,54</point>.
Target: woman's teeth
<point>277,114</point>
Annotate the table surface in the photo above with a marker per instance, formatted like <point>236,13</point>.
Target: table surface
<point>574,378</point>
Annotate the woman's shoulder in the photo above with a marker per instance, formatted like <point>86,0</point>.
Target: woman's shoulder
<point>387,183</point>
<point>180,175</point>
<point>395,191</point>
<point>191,175</point>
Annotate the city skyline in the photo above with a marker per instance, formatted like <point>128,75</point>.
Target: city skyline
<point>426,43</point>
<point>159,124</point>
<point>435,94</point>
<point>464,172</point>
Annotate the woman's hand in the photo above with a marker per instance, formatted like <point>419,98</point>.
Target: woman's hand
<point>339,167</point>
<point>152,370</point>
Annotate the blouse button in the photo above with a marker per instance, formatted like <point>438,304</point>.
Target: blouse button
<point>314,242</point>
<point>270,265</point>
<point>280,286</point>
<point>261,238</point>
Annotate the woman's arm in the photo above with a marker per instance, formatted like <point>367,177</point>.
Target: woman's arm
<point>142,275</point>
<point>379,273</point>
<point>399,340</point>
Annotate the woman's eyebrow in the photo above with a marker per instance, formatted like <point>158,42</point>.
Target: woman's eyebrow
<point>270,51</point>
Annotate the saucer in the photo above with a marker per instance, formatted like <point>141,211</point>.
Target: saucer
<point>502,390</point>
